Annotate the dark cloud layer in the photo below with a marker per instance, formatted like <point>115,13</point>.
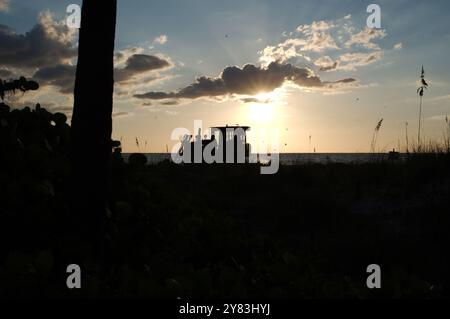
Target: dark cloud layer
<point>249,80</point>
<point>63,75</point>
<point>170,102</point>
<point>36,48</point>
<point>49,48</point>
<point>138,64</point>
<point>255,100</point>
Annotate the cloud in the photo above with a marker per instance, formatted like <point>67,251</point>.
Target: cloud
<point>327,45</point>
<point>170,102</point>
<point>348,61</point>
<point>315,26</point>
<point>4,5</point>
<point>314,41</point>
<point>120,114</point>
<point>138,64</point>
<point>329,67</point>
<point>352,61</point>
<point>440,98</point>
<point>326,63</point>
<point>315,37</point>
<point>365,38</point>
<point>398,46</point>
<point>48,43</point>
<point>162,39</point>
<point>61,76</point>
<point>122,56</point>
<point>5,73</point>
<point>48,53</point>
<point>249,80</point>
<point>143,62</point>
<point>255,100</point>
<point>135,70</point>
<point>438,118</point>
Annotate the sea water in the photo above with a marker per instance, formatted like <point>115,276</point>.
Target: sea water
<point>298,158</point>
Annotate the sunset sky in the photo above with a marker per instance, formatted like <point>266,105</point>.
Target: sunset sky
<point>306,68</point>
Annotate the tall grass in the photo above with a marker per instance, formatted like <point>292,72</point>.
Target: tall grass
<point>434,147</point>
<point>375,136</point>
<point>423,86</point>
<point>447,134</point>
<point>407,137</point>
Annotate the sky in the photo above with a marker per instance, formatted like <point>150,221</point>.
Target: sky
<point>312,71</point>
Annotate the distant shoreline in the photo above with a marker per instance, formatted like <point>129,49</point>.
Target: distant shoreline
<point>317,153</point>
<point>300,158</point>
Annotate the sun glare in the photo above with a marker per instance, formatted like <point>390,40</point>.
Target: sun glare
<point>261,112</point>
<point>263,108</point>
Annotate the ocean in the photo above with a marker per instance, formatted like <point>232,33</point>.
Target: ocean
<point>299,158</point>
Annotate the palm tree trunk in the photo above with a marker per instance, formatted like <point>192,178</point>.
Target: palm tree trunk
<point>92,114</point>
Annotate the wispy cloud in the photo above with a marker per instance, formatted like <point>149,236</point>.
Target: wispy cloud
<point>398,46</point>
<point>440,98</point>
<point>352,61</point>
<point>120,114</point>
<point>365,38</point>
<point>328,45</point>
<point>162,39</point>
<point>437,118</point>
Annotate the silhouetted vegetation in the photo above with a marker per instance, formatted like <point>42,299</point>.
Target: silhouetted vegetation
<point>22,84</point>
<point>220,231</point>
<point>421,90</point>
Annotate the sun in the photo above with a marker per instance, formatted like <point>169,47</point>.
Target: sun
<point>273,97</point>
<point>264,108</point>
<point>261,112</point>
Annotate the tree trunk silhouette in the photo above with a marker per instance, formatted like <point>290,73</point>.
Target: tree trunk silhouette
<point>92,116</point>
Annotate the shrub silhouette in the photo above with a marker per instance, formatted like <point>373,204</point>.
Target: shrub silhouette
<point>22,84</point>
<point>137,160</point>
<point>207,231</point>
